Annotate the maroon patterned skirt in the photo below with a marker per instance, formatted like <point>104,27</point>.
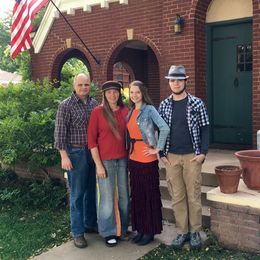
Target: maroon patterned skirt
<point>146,212</point>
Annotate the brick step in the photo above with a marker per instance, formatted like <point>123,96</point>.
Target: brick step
<point>208,179</point>
<point>166,196</point>
<point>169,216</point>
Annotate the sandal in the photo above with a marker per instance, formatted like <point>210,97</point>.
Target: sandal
<point>111,241</point>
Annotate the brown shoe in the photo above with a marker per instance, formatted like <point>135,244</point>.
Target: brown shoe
<point>80,242</point>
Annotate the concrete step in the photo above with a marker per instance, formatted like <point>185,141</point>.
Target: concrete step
<point>204,190</point>
<point>168,215</point>
<point>166,196</point>
<point>208,179</point>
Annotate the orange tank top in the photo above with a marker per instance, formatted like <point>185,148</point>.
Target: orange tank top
<point>139,146</point>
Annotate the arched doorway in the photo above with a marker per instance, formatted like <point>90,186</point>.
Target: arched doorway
<point>140,62</point>
<point>229,62</point>
<point>69,55</point>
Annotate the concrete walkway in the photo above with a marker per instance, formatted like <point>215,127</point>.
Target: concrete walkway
<point>97,250</point>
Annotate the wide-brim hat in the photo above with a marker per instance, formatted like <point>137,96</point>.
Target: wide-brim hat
<point>112,85</point>
<point>177,72</point>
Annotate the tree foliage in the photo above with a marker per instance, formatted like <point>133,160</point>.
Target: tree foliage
<point>22,63</point>
<point>6,62</point>
<point>27,120</point>
<point>70,69</point>
<point>27,115</point>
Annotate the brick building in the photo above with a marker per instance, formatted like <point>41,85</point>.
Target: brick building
<point>216,45</point>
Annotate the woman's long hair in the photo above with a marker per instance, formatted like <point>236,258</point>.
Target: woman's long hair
<point>145,96</point>
<point>109,114</point>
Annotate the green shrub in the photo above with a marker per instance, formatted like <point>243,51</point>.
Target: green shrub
<point>27,116</point>
<point>25,193</point>
<point>27,121</point>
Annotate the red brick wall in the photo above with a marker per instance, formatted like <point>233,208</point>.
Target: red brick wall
<point>236,227</point>
<point>104,32</point>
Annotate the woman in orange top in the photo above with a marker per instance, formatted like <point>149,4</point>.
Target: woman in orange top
<point>143,121</point>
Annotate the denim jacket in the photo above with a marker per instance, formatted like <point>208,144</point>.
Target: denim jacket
<point>149,121</point>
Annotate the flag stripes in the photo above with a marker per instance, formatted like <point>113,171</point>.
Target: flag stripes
<point>23,14</point>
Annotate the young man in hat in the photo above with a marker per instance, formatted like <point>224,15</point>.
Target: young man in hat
<point>184,153</point>
<point>71,141</point>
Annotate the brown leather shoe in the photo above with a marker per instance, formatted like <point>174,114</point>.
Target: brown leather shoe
<point>80,242</point>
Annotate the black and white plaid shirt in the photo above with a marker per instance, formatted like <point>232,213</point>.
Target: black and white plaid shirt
<point>196,118</point>
<point>71,121</point>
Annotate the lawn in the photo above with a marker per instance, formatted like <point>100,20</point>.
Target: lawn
<point>212,252</point>
<point>34,217</point>
<point>27,232</point>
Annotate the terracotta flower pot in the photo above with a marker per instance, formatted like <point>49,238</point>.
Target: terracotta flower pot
<point>228,177</point>
<point>250,163</point>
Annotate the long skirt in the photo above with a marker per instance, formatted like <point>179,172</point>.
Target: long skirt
<point>146,213</point>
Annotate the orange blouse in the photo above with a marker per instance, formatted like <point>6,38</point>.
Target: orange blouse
<point>139,146</point>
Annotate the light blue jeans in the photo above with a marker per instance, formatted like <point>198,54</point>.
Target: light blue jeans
<point>116,180</point>
<point>82,184</point>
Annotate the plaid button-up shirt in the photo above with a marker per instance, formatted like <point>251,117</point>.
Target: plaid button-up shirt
<point>196,118</point>
<point>71,121</point>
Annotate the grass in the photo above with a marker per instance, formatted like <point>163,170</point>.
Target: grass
<point>208,253</point>
<point>34,218</point>
<point>211,252</point>
<point>27,232</point>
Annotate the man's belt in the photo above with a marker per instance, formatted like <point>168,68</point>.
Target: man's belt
<point>78,145</point>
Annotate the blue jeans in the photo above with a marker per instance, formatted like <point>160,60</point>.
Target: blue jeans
<point>82,184</point>
<point>116,180</point>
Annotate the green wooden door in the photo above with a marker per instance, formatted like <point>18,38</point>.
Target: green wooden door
<point>231,84</point>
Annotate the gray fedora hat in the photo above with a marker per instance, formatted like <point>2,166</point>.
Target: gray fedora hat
<point>177,72</point>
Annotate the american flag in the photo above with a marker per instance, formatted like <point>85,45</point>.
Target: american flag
<point>23,14</point>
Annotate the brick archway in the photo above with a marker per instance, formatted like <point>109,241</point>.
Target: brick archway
<point>120,44</point>
<point>64,54</point>
<point>144,63</point>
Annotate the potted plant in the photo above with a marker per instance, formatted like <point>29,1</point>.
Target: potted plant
<point>228,177</point>
<point>250,163</point>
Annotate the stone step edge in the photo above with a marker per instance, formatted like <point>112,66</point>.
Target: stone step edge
<point>167,204</point>
<point>204,188</point>
<point>208,179</point>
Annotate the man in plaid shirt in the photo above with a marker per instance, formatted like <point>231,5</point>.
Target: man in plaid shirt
<point>71,141</point>
<point>185,151</point>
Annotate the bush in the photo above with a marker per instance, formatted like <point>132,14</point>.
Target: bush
<point>27,121</point>
<point>31,193</point>
<point>27,117</point>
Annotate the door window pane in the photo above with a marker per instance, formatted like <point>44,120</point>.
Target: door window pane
<point>244,57</point>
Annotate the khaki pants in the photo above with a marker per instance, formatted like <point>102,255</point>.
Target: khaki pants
<point>184,185</point>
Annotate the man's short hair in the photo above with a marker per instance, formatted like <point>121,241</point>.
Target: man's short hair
<point>80,74</point>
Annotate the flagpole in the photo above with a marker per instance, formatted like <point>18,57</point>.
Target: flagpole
<point>96,60</point>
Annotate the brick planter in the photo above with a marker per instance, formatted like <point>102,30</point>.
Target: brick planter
<point>235,218</point>
<point>22,171</point>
